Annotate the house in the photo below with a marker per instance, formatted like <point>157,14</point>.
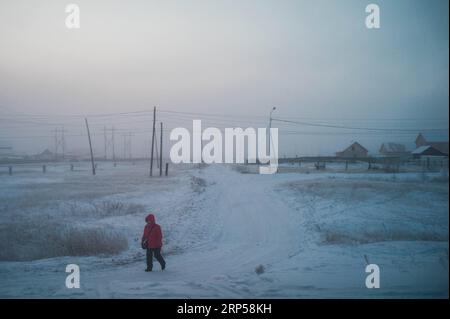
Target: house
<point>355,150</point>
<point>427,151</point>
<point>441,146</point>
<point>393,149</point>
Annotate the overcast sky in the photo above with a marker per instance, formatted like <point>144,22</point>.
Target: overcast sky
<point>314,60</point>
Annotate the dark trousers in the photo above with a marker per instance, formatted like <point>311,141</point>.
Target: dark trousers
<point>159,258</point>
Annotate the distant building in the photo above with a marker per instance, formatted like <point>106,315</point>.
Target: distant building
<point>355,150</point>
<point>393,149</point>
<point>46,155</point>
<point>426,151</point>
<point>441,146</point>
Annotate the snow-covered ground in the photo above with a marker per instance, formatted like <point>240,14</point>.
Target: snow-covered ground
<point>311,233</point>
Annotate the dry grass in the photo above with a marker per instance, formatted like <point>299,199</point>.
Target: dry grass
<point>43,238</point>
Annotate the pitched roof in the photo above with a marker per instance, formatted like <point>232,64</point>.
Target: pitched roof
<point>348,148</point>
<point>356,143</point>
<point>426,149</point>
<point>440,146</point>
<point>420,149</point>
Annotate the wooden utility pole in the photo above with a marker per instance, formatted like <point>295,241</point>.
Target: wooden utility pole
<point>153,142</point>
<point>90,146</point>
<point>156,149</point>
<point>160,151</point>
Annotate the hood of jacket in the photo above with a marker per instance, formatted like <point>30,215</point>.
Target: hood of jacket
<point>150,219</point>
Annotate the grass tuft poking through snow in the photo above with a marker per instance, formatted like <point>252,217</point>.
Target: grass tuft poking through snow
<point>260,269</point>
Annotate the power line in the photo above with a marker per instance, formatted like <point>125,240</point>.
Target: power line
<point>357,128</point>
<point>189,114</point>
<point>149,113</point>
<point>175,117</point>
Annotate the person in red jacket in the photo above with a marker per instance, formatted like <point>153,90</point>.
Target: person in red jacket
<point>152,241</point>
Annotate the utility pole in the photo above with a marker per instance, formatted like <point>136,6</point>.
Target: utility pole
<point>153,142</point>
<point>156,149</point>
<point>160,150</point>
<point>90,146</point>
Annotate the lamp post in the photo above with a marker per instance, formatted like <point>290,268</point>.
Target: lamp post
<point>270,126</point>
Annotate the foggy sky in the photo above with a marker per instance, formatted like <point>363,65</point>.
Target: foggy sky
<point>314,60</point>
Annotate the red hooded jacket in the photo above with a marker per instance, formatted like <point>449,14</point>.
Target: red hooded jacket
<point>152,233</point>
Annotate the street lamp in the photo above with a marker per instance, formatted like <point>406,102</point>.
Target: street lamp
<point>270,126</point>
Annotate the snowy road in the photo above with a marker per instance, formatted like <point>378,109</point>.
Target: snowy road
<point>220,225</point>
